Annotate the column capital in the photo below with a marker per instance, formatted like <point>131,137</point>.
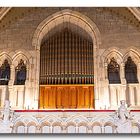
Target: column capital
<point>123,64</point>
<point>105,64</point>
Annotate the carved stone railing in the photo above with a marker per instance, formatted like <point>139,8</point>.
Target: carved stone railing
<point>71,121</point>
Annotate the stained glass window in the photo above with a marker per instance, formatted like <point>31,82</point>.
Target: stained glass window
<point>4,73</point>
<point>131,71</point>
<point>114,72</point>
<point>20,73</point>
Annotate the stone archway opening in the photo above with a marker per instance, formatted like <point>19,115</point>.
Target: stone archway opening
<point>86,29</point>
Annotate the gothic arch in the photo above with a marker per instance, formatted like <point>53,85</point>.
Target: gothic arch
<point>4,56</point>
<point>75,18</point>
<point>70,124</point>
<point>18,56</point>
<point>108,54</point>
<point>66,16</point>
<point>26,57</point>
<point>133,54</point>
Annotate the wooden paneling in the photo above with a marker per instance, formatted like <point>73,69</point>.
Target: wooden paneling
<point>66,96</point>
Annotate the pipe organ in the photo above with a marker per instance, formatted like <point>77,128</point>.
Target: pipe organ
<point>66,71</point>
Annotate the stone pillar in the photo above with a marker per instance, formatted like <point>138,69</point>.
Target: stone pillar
<point>102,129</point>
<point>10,85</point>
<point>38,129</point>
<point>106,88</point>
<point>138,72</point>
<point>106,72</point>
<point>89,129</point>
<point>138,87</point>
<point>76,129</point>
<point>20,91</point>
<point>37,69</point>
<point>51,129</point>
<point>131,95</point>
<point>26,129</point>
<point>3,94</point>
<point>64,129</point>
<point>96,76</point>
<point>138,95</point>
<point>123,82</point>
<point>12,75</point>
<point>113,97</point>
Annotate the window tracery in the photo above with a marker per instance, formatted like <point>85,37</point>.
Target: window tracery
<point>4,73</point>
<point>114,72</point>
<point>131,71</point>
<point>20,73</point>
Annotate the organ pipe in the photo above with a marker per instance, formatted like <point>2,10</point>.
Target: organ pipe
<point>66,58</point>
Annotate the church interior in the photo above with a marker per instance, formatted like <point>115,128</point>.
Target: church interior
<point>69,58</point>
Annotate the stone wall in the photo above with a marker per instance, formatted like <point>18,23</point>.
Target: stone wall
<point>119,33</point>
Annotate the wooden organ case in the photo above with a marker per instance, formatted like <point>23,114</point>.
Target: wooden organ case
<point>66,72</point>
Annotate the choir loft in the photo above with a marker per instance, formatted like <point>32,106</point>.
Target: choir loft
<point>66,68</point>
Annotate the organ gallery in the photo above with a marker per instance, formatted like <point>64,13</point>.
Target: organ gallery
<point>69,70</point>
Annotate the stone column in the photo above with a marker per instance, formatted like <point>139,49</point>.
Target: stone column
<point>106,87</point>
<point>102,129</point>
<point>10,85</point>
<point>138,72</point>
<point>76,129</point>
<point>28,95</point>
<point>25,129</point>
<point>64,129</point>
<point>131,95</point>
<point>138,95</point>
<point>37,69</point>
<point>96,76</point>
<point>4,90</point>
<point>113,97</point>
<point>21,96</point>
<point>51,129</point>
<point>38,129</point>
<point>106,72</point>
<point>89,129</point>
<point>123,82</point>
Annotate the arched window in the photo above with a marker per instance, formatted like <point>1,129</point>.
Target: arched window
<point>131,71</point>
<point>114,72</point>
<point>4,73</point>
<point>20,73</point>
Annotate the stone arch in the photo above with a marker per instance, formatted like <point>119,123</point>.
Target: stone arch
<point>107,57</point>
<point>17,125</point>
<point>66,16</point>
<point>109,124</point>
<point>50,119</point>
<point>70,124</point>
<point>4,56</point>
<point>45,124</point>
<point>20,55</point>
<point>83,124</point>
<point>80,118</point>
<point>135,124</point>
<point>134,54</point>
<point>96,124</point>
<point>26,57</point>
<point>81,21</point>
<point>31,124</point>
<point>57,124</point>
<point>108,54</point>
